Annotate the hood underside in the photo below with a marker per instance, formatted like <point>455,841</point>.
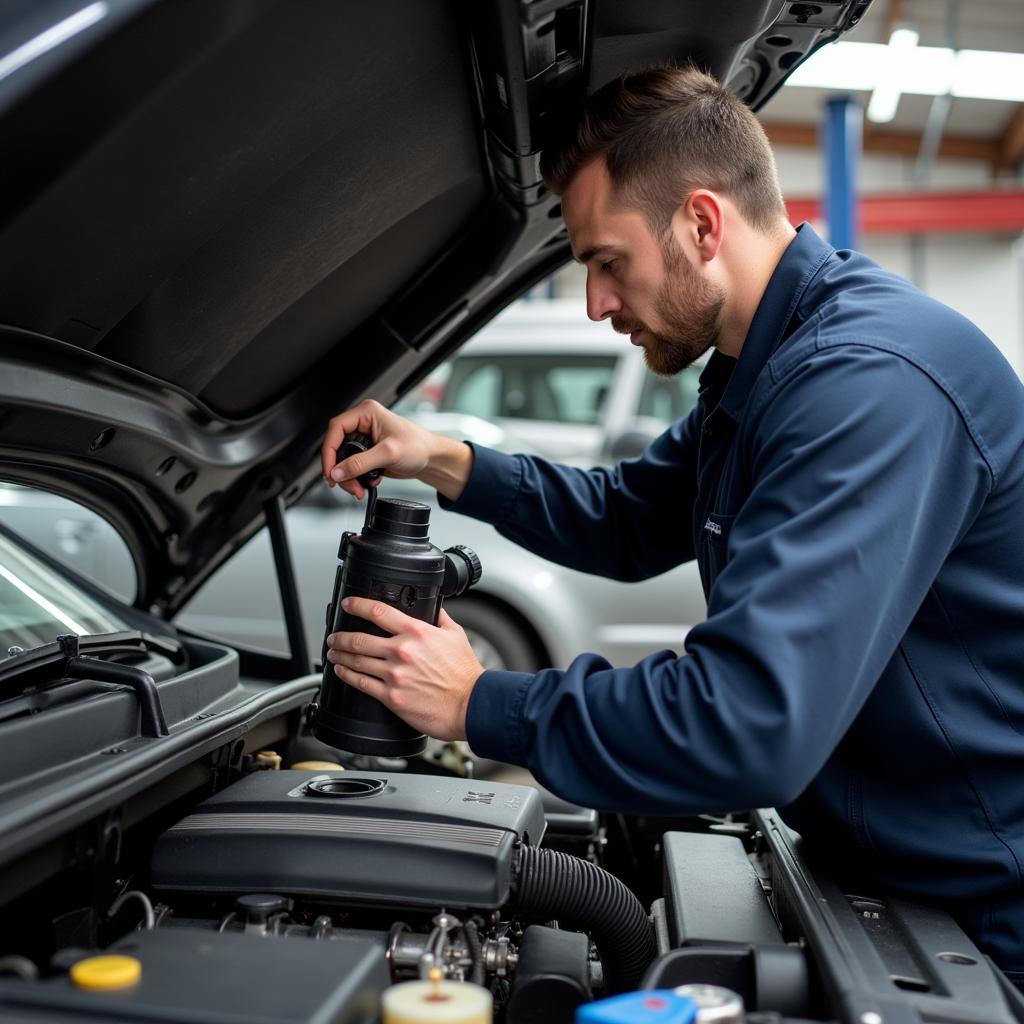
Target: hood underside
<point>222,222</point>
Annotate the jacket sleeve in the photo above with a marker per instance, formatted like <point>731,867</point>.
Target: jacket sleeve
<point>629,523</point>
<point>863,478</point>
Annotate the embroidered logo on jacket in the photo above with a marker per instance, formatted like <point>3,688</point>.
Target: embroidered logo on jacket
<point>712,527</point>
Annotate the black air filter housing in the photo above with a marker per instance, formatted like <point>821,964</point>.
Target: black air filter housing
<point>372,839</point>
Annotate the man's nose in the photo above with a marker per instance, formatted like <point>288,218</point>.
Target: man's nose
<point>602,301</point>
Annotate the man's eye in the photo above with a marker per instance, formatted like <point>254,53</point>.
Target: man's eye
<point>609,265</point>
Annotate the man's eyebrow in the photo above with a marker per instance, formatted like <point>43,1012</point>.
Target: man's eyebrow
<point>588,254</point>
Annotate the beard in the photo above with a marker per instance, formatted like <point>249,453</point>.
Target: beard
<point>690,310</point>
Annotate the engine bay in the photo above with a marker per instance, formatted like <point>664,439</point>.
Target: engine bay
<point>366,879</point>
<point>226,871</point>
<point>304,894</point>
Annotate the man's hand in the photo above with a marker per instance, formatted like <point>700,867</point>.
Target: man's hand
<point>400,449</point>
<point>423,673</point>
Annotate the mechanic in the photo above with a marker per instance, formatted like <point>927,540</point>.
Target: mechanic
<point>851,484</point>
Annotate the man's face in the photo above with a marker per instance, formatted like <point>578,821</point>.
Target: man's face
<point>646,285</point>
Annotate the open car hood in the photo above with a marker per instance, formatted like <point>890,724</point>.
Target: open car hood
<point>222,222</point>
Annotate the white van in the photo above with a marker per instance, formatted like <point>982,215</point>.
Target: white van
<point>574,389</point>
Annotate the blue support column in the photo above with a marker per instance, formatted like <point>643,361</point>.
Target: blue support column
<point>843,129</point>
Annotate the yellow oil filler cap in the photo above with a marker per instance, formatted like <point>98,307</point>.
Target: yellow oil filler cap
<point>106,973</point>
<point>316,766</point>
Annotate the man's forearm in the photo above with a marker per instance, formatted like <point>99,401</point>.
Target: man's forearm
<point>449,466</point>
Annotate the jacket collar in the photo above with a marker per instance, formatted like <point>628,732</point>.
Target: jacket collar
<point>775,319</point>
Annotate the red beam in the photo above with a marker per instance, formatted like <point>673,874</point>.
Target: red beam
<point>929,212</point>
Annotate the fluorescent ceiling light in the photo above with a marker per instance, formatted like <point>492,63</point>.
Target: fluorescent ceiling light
<point>886,96</point>
<point>989,75</point>
<point>921,70</point>
<point>52,38</point>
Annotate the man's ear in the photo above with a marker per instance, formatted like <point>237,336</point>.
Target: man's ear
<point>705,215</point>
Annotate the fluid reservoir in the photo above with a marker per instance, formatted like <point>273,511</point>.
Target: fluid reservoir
<point>437,1002</point>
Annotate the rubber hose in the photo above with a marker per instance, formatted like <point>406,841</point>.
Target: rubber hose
<point>476,952</point>
<point>556,884</point>
<point>20,966</point>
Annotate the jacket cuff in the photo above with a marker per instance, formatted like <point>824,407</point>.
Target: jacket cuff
<point>494,727</point>
<point>492,488</point>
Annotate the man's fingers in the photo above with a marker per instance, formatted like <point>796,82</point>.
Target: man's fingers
<point>359,643</point>
<point>337,428</point>
<point>380,456</point>
<point>376,667</point>
<point>360,419</point>
<point>445,621</point>
<point>369,685</point>
<point>383,615</point>
<point>356,465</point>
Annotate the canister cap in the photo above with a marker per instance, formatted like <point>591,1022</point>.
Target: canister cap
<point>656,1006</point>
<point>395,515</point>
<point>105,973</point>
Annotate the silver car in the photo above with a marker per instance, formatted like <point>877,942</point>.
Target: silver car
<point>575,390</point>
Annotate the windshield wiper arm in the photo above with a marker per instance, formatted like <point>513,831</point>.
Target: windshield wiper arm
<point>68,657</point>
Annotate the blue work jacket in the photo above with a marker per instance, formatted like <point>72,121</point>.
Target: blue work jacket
<point>853,490</point>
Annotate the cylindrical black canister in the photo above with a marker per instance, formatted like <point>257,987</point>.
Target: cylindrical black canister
<point>391,561</point>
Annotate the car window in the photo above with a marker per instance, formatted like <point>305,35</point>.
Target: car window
<point>669,398</point>
<point>73,534</point>
<point>241,602</point>
<point>563,388</point>
<point>580,390</point>
<point>477,391</point>
<point>37,605</point>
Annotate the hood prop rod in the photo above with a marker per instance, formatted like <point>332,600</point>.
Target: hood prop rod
<point>273,509</point>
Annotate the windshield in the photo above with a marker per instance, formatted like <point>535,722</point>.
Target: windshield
<point>37,605</point>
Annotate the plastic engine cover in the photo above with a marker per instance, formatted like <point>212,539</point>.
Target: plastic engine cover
<point>372,839</point>
<point>192,976</point>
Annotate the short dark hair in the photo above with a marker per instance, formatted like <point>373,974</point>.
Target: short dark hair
<point>664,132</point>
